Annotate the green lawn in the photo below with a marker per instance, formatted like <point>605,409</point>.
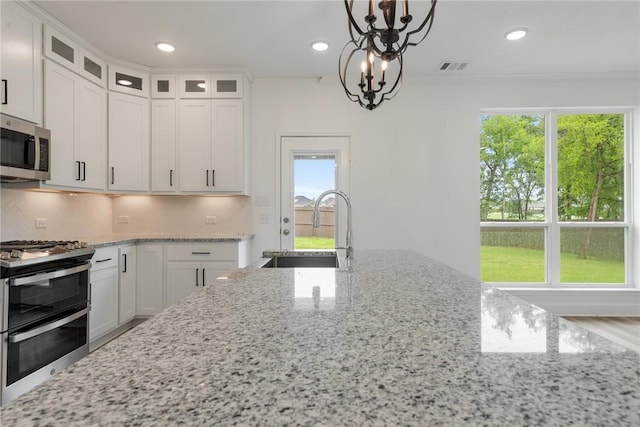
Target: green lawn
<point>502,264</point>
<point>314,243</point>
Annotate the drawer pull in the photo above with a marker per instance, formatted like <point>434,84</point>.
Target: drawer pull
<point>200,253</point>
<point>104,260</point>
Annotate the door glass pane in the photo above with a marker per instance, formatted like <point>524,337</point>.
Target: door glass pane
<point>512,168</point>
<point>128,81</point>
<point>314,174</point>
<point>62,49</point>
<point>512,254</point>
<point>226,86</point>
<point>92,68</point>
<point>591,167</point>
<point>195,86</point>
<point>592,255</point>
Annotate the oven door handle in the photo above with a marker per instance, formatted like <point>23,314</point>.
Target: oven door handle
<point>16,338</point>
<point>44,278</point>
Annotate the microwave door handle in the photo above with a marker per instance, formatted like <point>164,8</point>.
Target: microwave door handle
<point>44,278</point>
<point>16,338</point>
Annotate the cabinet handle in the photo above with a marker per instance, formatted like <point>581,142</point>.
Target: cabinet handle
<point>113,174</point>
<point>84,171</point>
<point>5,92</point>
<point>104,260</point>
<point>207,175</point>
<point>203,281</point>
<point>197,269</point>
<point>200,253</point>
<point>170,177</point>
<point>124,257</point>
<point>213,177</point>
<point>78,174</point>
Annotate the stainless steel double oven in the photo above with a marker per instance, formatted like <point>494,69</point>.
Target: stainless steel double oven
<point>45,313</point>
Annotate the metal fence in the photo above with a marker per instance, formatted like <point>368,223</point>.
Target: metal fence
<point>304,222</point>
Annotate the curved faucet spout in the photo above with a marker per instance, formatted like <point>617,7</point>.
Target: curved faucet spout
<point>316,216</point>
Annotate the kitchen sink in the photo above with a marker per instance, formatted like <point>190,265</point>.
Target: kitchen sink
<point>328,260</point>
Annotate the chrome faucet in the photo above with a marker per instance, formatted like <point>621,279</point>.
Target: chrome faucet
<point>316,217</point>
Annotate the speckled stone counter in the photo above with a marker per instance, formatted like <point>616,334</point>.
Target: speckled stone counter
<point>397,339</point>
<point>119,239</point>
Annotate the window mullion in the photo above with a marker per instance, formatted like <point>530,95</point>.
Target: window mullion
<point>551,184</point>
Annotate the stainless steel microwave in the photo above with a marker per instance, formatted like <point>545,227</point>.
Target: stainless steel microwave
<point>24,151</point>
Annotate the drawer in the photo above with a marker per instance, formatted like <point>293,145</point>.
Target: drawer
<point>227,251</point>
<point>105,258</point>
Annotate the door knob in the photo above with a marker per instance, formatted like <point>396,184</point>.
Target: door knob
<point>285,231</point>
<point>285,220</point>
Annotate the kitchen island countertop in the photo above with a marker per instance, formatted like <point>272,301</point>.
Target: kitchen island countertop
<point>395,338</point>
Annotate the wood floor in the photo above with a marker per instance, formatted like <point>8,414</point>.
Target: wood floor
<point>621,330</point>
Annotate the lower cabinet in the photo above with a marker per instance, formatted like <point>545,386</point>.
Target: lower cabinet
<point>103,316</point>
<point>184,277</point>
<point>127,282</point>
<point>150,280</point>
<point>191,266</point>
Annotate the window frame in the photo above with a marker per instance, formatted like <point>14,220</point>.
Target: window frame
<point>551,226</point>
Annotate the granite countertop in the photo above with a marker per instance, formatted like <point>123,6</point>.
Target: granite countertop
<point>395,339</point>
<point>120,239</point>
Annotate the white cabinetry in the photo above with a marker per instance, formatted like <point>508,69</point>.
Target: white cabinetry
<point>150,280</point>
<point>163,86</point>
<point>192,266</point>
<point>211,141</point>
<point>103,317</point>
<point>128,142</point>
<point>217,86</point>
<point>128,81</point>
<point>127,288</point>
<point>21,63</point>
<point>163,145</point>
<point>69,54</point>
<point>76,114</point>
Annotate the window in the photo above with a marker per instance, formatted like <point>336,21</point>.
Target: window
<point>555,197</point>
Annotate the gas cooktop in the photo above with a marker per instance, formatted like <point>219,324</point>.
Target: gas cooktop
<point>18,253</point>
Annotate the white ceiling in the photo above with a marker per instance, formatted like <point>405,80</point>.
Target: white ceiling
<point>272,38</point>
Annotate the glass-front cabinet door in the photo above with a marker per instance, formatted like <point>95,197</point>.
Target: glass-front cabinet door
<point>194,85</point>
<point>163,86</point>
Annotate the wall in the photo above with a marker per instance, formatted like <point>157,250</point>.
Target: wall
<point>418,153</point>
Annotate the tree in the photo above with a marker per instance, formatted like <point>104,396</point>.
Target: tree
<point>512,164</point>
<point>590,169</point>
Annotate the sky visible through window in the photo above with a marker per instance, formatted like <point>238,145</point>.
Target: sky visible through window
<point>313,176</point>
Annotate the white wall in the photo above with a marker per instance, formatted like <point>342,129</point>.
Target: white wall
<point>414,161</point>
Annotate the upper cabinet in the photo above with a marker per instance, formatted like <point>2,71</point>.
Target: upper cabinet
<point>210,86</point>
<point>76,114</point>
<point>128,81</point>
<point>21,63</point>
<point>163,86</point>
<point>71,55</point>
<point>128,142</point>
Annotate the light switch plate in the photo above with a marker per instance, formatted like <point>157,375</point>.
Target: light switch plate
<point>41,223</point>
<point>210,219</point>
<point>123,219</point>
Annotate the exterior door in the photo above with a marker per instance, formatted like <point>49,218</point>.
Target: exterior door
<point>304,153</point>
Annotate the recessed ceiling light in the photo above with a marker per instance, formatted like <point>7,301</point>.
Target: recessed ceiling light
<point>516,34</point>
<point>320,46</point>
<point>125,82</point>
<point>165,47</point>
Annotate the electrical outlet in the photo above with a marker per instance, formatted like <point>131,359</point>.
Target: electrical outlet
<point>123,219</point>
<point>262,201</point>
<point>264,219</point>
<point>41,223</point>
<point>210,219</point>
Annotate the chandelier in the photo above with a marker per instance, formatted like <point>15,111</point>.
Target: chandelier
<point>370,65</point>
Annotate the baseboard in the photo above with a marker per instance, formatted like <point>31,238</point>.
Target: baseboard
<point>582,302</point>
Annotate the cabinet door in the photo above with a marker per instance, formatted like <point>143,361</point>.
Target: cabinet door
<point>227,148</point>
<point>194,86</point>
<point>163,145</point>
<point>194,145</point>
<point>150,280</point>
<point>21,63</point>
<point>163,86</point>
<point>183,278</point>
<point>127,290</point>
<point>227,85</point>
<point>91,135</point>
<point>103,317</point>
<point>128,142</point>
<point>213,270</point>
<point>59,109</point>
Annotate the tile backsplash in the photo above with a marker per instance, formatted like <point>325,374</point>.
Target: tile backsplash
<point>67,215</point>
<point>80,215</point>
